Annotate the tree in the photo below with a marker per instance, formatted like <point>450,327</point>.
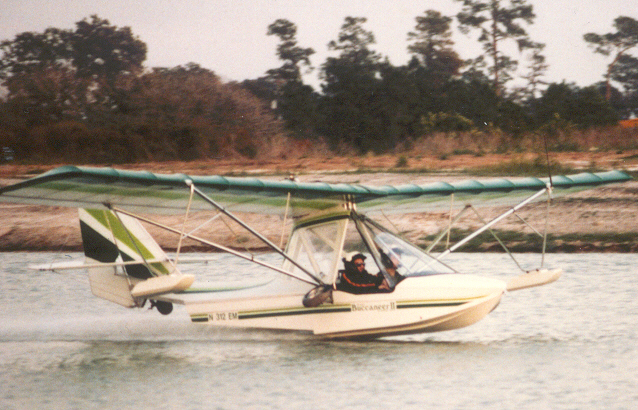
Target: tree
<point>473,99</point>
<point>186,112</point>
<point>618,43</point>
<point>295,101</point>
<point>48,95</point>
<point>536,70</point>
<point>353,44</point>
<point>432,45</point>
<point>399,101</point>
<point>29,52</point>
<point>61,74</point>
<point>583,107</point>
<point>101,53</point>
<point>626,73</point>
<point>293,56</point>
<point>36,70</point>
<point>475,70</point>
<point>497,21</point>
<point>101,50</point>
<point>351,82</point>
<point>618,99</point>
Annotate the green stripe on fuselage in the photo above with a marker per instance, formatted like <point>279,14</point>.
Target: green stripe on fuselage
<point>294,312</point>
<point>258,314</point>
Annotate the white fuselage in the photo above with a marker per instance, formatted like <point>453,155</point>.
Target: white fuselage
<point>417,304</point>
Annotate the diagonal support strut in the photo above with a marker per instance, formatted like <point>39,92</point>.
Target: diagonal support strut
<point>251,230</point>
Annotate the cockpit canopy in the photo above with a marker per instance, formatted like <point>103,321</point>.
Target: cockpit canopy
<point>321,245</point>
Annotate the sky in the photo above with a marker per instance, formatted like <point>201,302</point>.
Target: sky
<point>229,36</point>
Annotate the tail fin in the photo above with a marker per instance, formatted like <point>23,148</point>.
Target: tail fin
<point>108,238</point>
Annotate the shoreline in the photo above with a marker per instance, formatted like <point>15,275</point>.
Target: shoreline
<point>604,219</point>
<point>565,247</point>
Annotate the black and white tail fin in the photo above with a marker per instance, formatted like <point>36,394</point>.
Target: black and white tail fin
<point>117,239</point>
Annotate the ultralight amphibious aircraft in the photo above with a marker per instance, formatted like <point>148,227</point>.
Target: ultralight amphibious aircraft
<point>407,289</point>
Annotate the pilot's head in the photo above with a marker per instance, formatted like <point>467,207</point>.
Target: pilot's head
<point>357,260</point>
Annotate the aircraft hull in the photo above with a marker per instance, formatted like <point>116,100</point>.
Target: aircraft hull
<point>417,305</point>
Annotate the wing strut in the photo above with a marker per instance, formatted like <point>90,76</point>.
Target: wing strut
<point>251,230</point>
<point>494,221</point>
<point>181,236</point>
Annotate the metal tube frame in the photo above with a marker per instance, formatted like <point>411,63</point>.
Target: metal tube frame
<point>254,232</point>
<point>213,245</point>
<point>493,222</point>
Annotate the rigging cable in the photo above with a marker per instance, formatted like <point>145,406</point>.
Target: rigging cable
<point>182,234</point>
<point>549,199</point>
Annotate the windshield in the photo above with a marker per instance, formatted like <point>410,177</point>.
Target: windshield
<point>407,259</point>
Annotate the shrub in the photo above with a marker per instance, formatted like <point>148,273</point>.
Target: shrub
<point>445,122</point>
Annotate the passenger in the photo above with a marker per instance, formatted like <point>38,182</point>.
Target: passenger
<point>391,263</point>
<point>355,278</point>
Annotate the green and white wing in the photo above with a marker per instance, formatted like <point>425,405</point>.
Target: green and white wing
<point>147,192</point>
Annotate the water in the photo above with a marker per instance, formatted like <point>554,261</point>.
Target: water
<point>569,345</point>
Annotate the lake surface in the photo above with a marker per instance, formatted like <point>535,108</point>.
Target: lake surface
<point>569,345</point>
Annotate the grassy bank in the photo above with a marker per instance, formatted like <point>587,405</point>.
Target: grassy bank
<point>516,242</point>
<point>520,242</point>
<point>408,163</point>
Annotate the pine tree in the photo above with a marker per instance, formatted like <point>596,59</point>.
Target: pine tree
<point>497,21</point>
<point>617,43</point>
<point>294,102</point>
<point>432,45</point>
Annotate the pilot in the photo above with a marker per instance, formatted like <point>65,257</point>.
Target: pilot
<point>355,278</point>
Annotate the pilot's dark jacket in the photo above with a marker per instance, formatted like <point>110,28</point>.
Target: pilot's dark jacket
<point>353,281</point>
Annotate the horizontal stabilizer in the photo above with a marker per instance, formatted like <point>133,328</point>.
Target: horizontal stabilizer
<point>53,266</point>
<point>535,278</point>
<point>78,265</point>
<point>162,284</point>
